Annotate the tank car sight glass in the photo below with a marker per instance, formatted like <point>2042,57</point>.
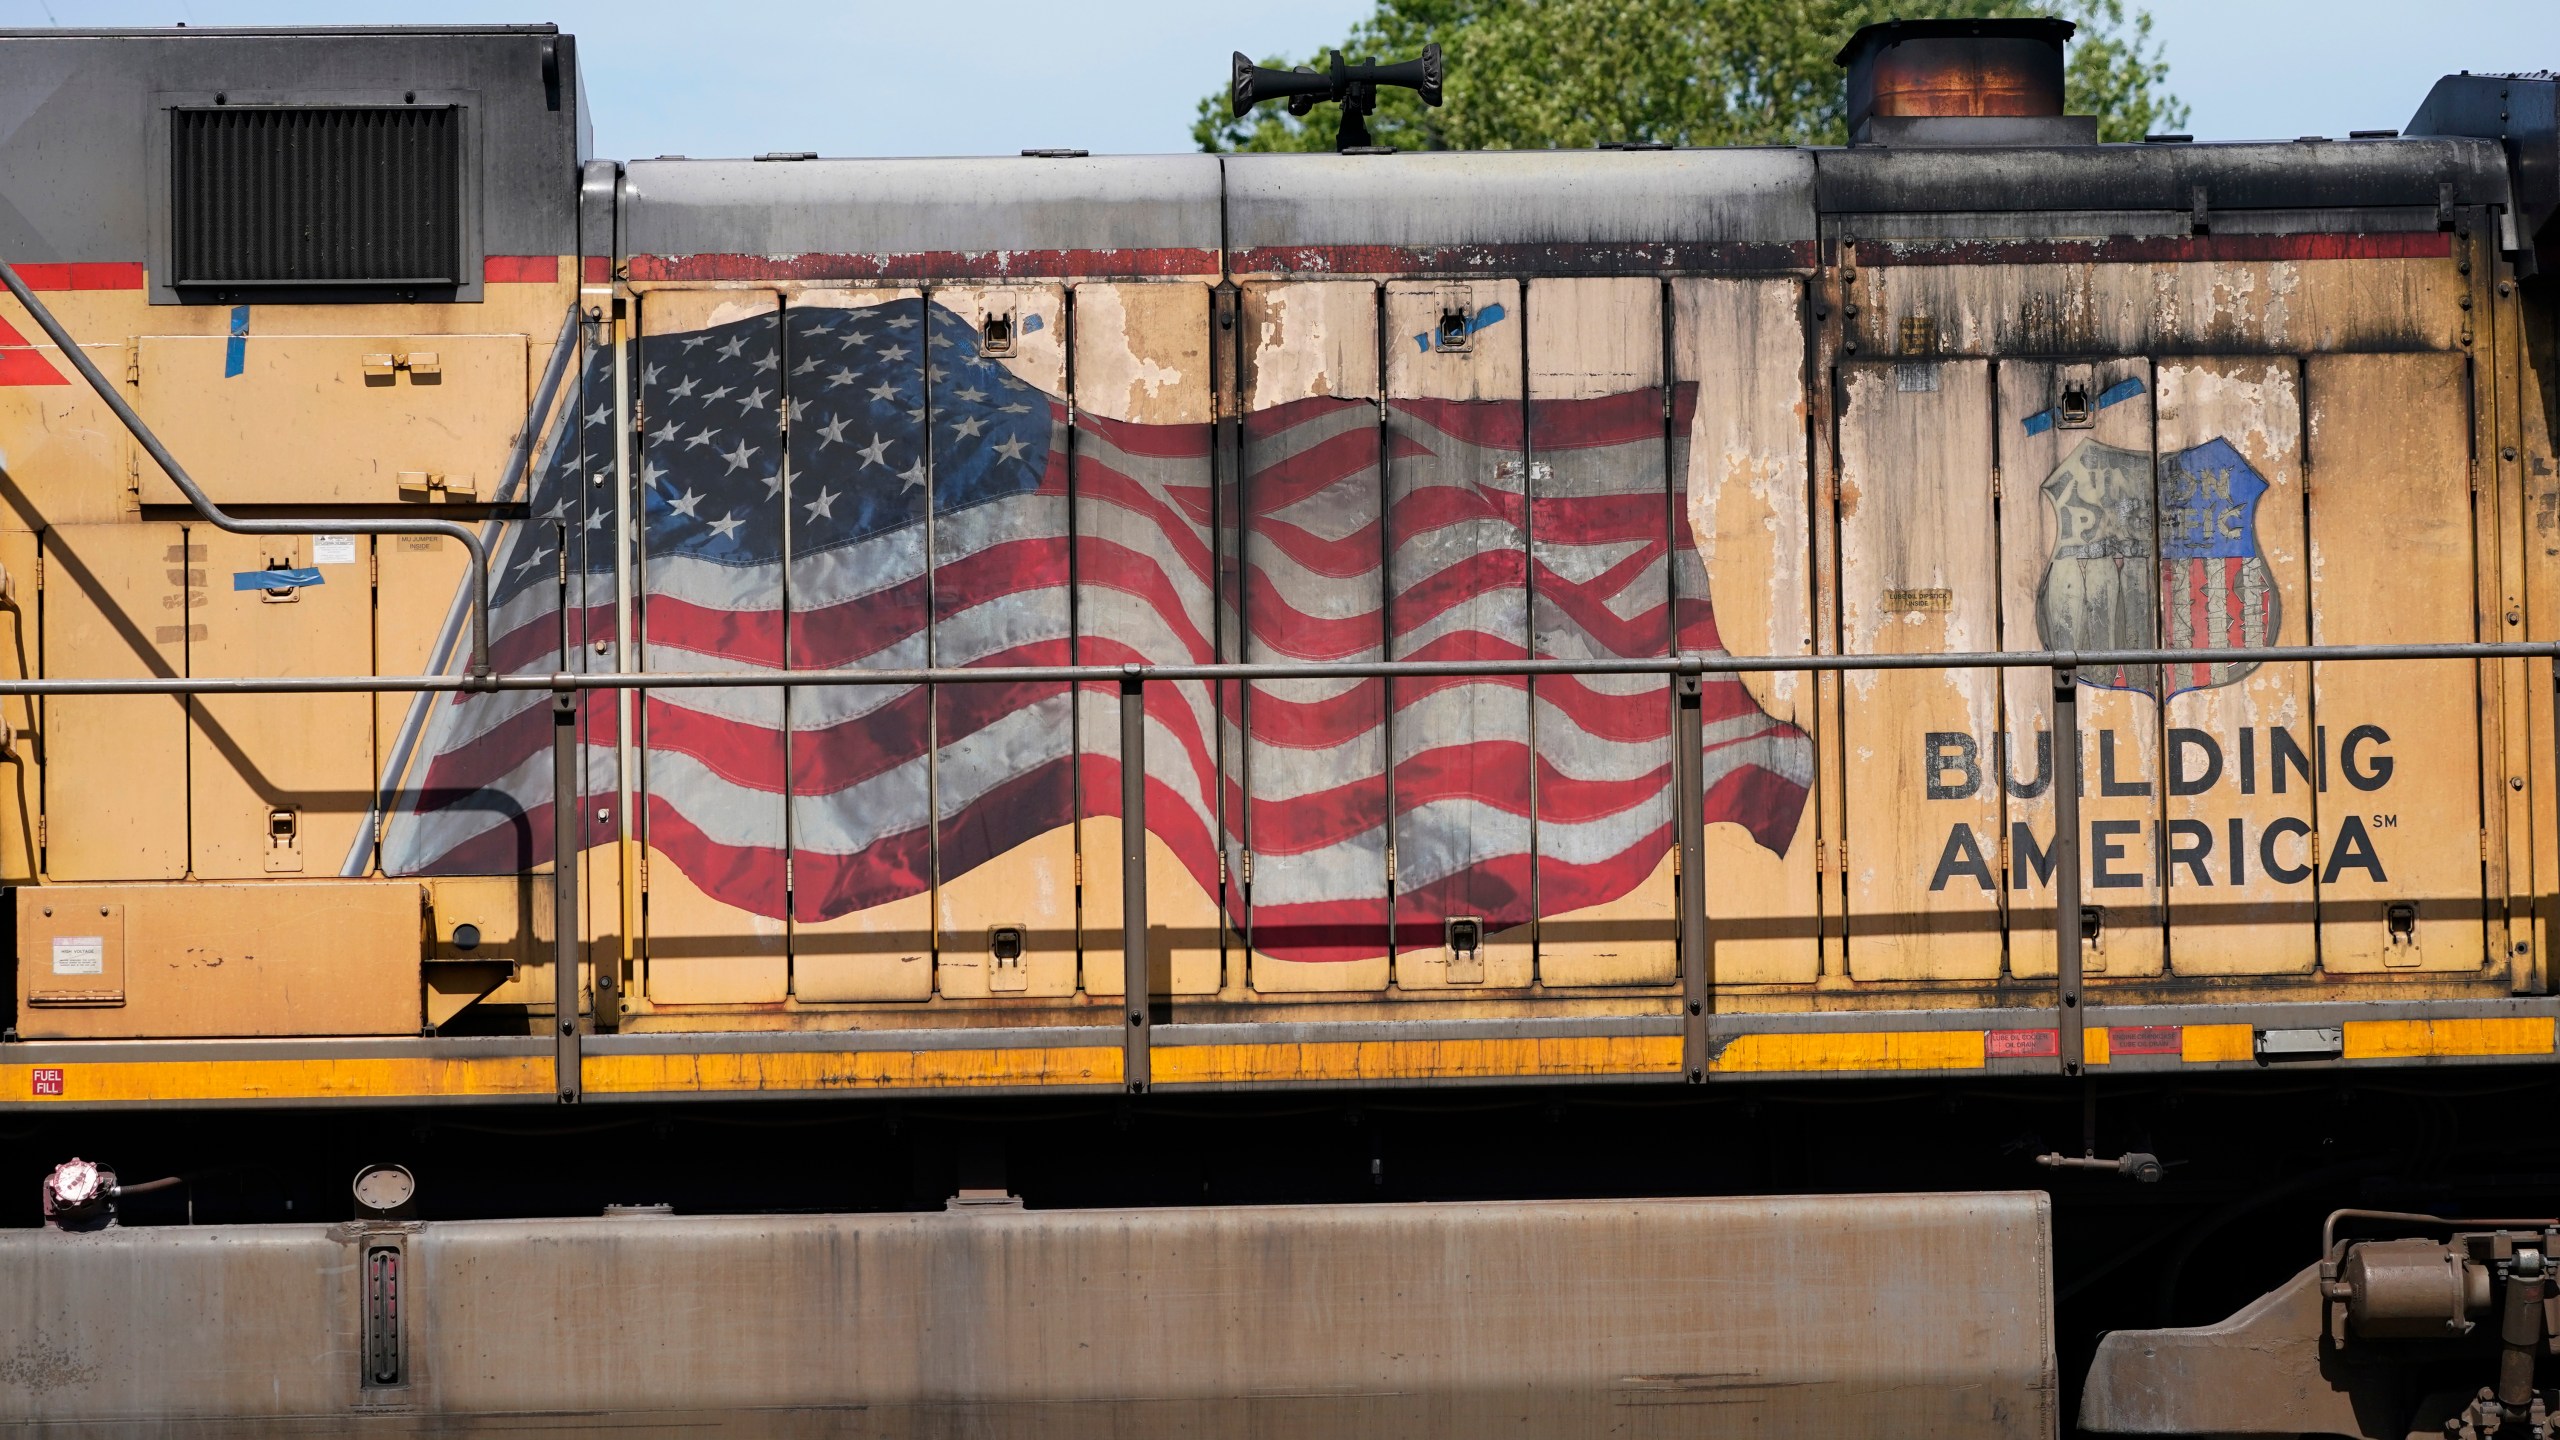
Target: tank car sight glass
<point>1355,87</point>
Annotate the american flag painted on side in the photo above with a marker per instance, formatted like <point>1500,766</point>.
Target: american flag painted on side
<point>859,485</point>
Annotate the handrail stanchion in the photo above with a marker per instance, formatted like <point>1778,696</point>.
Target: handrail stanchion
<point>1136,986</point>
<point>565,805</point>
<point>2066,863</point>
<point>1697,947</point>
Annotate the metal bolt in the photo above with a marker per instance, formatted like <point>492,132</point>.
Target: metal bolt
<point>2515,782</point>
<point>2507,453</point>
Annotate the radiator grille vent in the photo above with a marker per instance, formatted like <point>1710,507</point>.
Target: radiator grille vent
<point>321,195</point>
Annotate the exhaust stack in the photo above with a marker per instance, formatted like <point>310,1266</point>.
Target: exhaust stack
<point>1961,82</point>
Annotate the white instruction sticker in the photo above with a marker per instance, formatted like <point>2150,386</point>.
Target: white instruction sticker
<point>333,549</point>
<point>79,955</point>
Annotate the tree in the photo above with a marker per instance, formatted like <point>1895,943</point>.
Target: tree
<point>1569,74</point>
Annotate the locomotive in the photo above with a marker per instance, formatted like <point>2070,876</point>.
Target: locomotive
<point>1066,643</point>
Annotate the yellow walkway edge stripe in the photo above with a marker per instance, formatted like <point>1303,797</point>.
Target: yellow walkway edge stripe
<point>2413,1039</point>
<point>1861,1050</point>
<point>1417,1059</point>
<point>789,1070</point>
<point>77,1081</point>
<point>315,1079</point>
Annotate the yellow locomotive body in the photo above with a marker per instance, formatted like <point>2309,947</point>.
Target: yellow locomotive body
<point>1616,409</point>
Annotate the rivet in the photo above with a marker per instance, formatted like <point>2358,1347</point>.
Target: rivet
<point>2515,782</point>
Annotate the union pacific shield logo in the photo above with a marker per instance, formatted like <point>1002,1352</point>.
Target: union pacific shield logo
<point>2216,586</point>
<point>2102,587</point>
<point>2134,567</point>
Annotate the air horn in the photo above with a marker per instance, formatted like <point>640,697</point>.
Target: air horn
<point>1355,86</point>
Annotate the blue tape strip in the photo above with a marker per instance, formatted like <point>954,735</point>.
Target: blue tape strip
<point>2115,394</point>
<point>235,356</point>
<point>1486,316</point>
<point>1030,323</point>
<point>276,579</point>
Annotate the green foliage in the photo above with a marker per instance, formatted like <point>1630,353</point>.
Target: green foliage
<point>1569,74</point>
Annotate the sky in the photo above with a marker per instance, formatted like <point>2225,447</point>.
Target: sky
<point>858,77</point>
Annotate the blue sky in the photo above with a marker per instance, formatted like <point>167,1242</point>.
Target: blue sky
<point>865,78</point>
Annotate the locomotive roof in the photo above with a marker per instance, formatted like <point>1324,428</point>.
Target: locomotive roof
<point>82,178</point>
<point>1524,211</point>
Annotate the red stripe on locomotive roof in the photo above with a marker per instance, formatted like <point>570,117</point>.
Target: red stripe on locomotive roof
<point>2134,249</point>
<point>598,269</point>
<point>928,265</point>
<point>521,269</point>
<point>84,275</point>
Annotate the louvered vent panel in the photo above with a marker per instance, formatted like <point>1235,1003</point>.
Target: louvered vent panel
<point>324,195</point>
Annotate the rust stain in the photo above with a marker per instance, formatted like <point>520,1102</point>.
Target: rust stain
<point>42,1367</point>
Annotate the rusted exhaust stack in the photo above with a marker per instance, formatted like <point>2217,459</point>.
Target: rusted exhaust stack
<point>1961,82</point>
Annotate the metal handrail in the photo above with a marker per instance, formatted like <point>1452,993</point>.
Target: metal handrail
<point>1686,672</point>
<point>1687,664</point>
<point>223,519</point>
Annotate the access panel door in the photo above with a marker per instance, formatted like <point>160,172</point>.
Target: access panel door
<point>1310,589</point>
<point>373,419</point>
<point>1457,588</point>
<point>115,606</point>
<point>1742,578</point>
<point>279,784</point>
<point>2081,517</point>
<point>2397,797</point>
<point>1143,590</point>
<point>1004,755</point>
<point>2239,787</point>
<point>1919,576</point>
<point>861,787</point>
<point>712,761</point>
<point>1600,588</point>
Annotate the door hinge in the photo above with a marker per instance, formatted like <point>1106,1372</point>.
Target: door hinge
<point>1391,864</point>
<point>1995,482</point>
<point>1079,869</point>
<point>1246,858</point>
<point>2484,844</point>
<point>42,838</point>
